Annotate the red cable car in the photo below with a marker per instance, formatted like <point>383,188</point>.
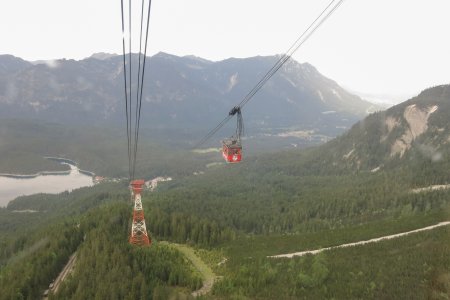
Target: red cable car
<point>232,147</point>
<point>232,150</point>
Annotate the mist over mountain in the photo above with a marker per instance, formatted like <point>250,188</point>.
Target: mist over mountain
<point>188,92</point>
<point>384,100</point>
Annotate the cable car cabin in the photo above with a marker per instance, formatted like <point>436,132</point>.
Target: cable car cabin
<point>232,150</point>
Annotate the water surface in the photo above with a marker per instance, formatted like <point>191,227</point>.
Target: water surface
<point>10,188</point>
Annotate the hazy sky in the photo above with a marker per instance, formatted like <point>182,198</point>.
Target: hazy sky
<point>372,46</point>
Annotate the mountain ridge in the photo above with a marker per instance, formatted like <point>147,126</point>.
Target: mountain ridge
<point>415,131</point>
<point>183,91</point>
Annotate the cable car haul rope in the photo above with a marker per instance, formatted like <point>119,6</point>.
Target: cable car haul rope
<point>323,16</point>
<point>133,139</point>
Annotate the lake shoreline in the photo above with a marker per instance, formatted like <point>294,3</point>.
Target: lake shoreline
<point>47,182</point>
<point>29,176</point>
<point>61,160</point>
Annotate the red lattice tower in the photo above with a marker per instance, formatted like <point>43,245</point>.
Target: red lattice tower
<point>139,234</point>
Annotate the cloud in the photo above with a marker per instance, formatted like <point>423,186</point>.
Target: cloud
<point>430,152</point>
<point>53,63</point>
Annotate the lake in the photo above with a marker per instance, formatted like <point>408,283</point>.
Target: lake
<point>10,188</point>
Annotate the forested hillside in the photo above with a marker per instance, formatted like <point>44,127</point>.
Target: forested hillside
<point>413,133</point>
<point>95,223</point>
<point>24,144</point>
<point>239,223</point>
<point>238,215</point>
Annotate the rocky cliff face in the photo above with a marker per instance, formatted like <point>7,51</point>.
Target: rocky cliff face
<point>417,124</point>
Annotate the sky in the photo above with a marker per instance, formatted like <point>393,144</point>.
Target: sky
<point>373,47</point>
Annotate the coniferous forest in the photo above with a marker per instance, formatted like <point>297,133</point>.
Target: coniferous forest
<point>253,214</point>
<point>235,217</point>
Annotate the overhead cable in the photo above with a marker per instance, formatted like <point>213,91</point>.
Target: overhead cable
<point>127,109</point>
<point>133,140</point>
<point>323,16</point>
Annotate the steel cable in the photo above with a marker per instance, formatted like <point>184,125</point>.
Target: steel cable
<point>128,78</point>
<point>323,16</point>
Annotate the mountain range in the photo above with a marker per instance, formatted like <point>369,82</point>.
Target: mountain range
<point>179,92</point>
<point>383,177</point>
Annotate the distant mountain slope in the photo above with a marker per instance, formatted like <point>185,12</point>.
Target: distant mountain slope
<point>414,132</point>
<point>10,64</point>
<point>188,92</point>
